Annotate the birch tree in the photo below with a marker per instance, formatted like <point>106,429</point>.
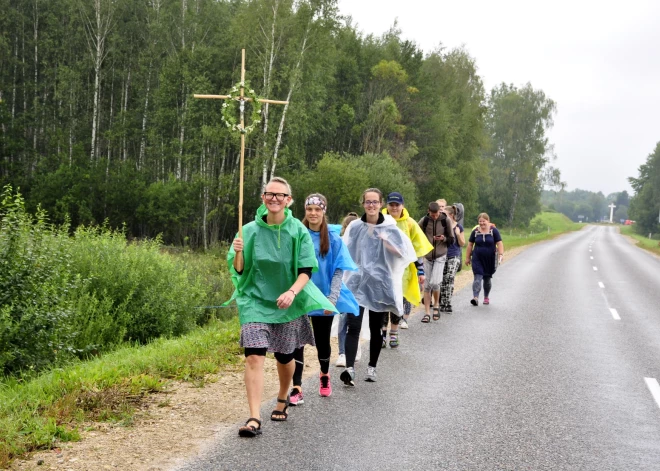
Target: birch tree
<point>97,28</point>
<point>519,150</point>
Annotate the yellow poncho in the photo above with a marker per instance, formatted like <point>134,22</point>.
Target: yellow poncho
<point>422,246</point>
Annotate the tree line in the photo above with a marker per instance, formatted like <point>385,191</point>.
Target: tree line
<point>587,206</point>
<point>645,205</point>
<point>98,122</point>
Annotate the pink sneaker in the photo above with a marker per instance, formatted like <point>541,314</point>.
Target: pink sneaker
<point>325,388</point>
<point>486,301</point>
<point>296,397</point>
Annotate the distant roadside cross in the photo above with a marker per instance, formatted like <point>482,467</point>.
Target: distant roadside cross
<point>242,99</point>
<point>611,206</point>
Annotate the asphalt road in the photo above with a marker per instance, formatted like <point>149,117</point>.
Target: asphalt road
<point>556,374</point>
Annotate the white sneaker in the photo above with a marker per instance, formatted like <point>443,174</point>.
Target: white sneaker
<point>358,355</point>
<point>403,324</point>
<point>371,374</point>
<point>341,361</point>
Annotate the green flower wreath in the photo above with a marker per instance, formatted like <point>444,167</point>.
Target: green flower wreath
<point>229,111</point>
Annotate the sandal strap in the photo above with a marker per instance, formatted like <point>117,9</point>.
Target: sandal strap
<point>253,419</point>
<point>283,401</point>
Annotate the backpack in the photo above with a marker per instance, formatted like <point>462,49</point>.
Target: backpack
<point>460,213</point>
<point>427,219</point>
<point>460,219</point>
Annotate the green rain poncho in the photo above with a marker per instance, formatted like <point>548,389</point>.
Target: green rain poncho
<point>273,255</point>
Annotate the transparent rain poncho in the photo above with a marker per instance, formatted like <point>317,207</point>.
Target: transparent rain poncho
<point>382,253</point>
<point>273,255</point>
<point>422,246</point>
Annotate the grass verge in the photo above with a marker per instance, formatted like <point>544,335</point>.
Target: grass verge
<point>652,245</point>
<point>36,413</point>
<point>545,226</point>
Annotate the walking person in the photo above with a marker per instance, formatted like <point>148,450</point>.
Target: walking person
<point>438,232</point>
<point>270,267</point>
<point>413,276</point>
<point>382,252</point>
<point>333,259</point>
<point>453,261</point>
<point>484,245</point>
<point>342,317</point>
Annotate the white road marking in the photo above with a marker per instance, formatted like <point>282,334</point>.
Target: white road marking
<point>615,314</point>
<point>595,268</point>
<point>654,387</point>
<point>600,283</point>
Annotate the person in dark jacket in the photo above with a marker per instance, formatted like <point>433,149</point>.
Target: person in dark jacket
<point>438,231</point>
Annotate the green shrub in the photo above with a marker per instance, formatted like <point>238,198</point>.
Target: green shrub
<point>35,287</point>
<point>139,293</point>
<point>63,297</point>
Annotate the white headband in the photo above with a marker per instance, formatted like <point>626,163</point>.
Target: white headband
<point>315,200</point>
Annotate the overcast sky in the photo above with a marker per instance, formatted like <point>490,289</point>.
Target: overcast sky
<point>598,60</point>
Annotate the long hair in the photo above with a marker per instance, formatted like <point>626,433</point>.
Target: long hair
<point>323,230</point>
<point>350,217</point>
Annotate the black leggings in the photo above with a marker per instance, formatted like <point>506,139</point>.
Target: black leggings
<point>322,326</point>
<point>354,325</point>
<point>283,358</point>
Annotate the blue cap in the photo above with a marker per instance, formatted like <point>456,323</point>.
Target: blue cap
<point>395,198</point>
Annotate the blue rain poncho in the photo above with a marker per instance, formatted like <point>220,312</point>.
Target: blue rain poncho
<point>382,253</point>
<point>273,255</point>
<point>336,258</point>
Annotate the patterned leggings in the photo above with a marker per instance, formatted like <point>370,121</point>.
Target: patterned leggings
<point>448,277</point>
<point>476,285</point>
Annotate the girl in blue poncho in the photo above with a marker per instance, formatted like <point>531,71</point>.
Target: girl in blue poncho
<point>333,259</point>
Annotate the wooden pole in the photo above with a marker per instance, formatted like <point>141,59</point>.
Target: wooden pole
<point>241,99</point>
<point>242,165</point>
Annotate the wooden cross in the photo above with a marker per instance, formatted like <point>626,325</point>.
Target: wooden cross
<point>242,99</point>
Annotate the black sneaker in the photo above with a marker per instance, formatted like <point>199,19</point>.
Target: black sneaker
<point>443,309</point>
<point>449,309</point>
<point>348,376</point>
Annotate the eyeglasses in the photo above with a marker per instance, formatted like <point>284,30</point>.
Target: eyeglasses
<point>277,196</point>
<point>371,203</point>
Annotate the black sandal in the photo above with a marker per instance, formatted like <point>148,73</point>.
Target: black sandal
<point>280,415</point>
<point>426,319</point>
<point>436,314</point>
<point>250,431</point>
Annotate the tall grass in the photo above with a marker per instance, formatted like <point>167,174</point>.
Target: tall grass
<point>63,298</point>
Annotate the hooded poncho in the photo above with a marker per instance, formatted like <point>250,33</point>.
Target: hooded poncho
<point>273,255</point>
<point>382,253</point>
<point>336,258</point>
<point>422,246</point>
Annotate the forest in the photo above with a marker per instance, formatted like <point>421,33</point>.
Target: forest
<point>98,124</point>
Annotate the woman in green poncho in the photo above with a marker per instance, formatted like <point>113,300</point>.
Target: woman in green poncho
<point>271,266</point>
